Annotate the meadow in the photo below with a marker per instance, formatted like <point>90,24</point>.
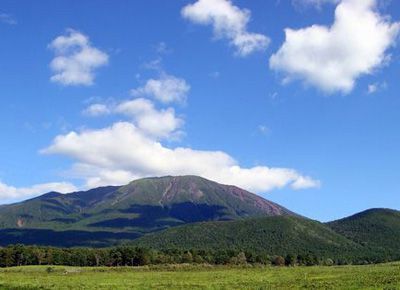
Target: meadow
<point>382,276</point>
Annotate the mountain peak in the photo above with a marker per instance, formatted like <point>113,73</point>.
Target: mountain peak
<point>169,190</point>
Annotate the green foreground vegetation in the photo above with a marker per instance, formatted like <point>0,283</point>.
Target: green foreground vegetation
<point>382,276</point>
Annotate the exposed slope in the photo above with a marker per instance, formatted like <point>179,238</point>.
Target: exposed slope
<point>168,191</point>
<point>373,228</point>
<point>142,206</point>
<point>273,235</point>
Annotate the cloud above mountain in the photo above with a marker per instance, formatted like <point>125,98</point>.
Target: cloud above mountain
<point>75,60</point>
<point>121,152</point>
<point>157,123</point>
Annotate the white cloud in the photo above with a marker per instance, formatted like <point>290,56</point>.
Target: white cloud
<point>305,182</point>
<point>166,89</point>
<point>121,152</point>
<point>228,21</point>
<point>99,176</point>
<point>7,19</point>
<point>10,193</point>
<point>95,110</point>
<point>157,123</point>
<point>332,58</point>
<point>75,59</point>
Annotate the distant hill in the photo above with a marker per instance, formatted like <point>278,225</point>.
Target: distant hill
<point>373,228</point>
<point>280,235</point>
<point>142,206</point>
<point>369,236</point>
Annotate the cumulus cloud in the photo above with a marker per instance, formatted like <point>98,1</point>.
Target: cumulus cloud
<point>75,59</point>
<point>229,22</point>
<point>96,176</point>
<point>10,193</point>
<point>121,152</point>
<point>157,123</point>
<point>305,182</point>
<point>332,58</point>
<point>166,89</point>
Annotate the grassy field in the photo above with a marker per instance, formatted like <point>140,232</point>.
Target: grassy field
<point>385,276</point>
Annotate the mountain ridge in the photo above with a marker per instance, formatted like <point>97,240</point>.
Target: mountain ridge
<point>142,206</point>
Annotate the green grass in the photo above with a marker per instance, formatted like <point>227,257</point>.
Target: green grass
<point>384,276</point>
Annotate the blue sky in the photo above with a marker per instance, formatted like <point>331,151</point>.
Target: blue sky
<point>103,92</point>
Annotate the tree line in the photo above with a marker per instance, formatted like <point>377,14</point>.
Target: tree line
<point>20,255</point>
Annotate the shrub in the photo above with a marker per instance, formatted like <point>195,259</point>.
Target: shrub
<point>279,261</point>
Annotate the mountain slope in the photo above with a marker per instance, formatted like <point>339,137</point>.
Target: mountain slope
<point>280,235</point>
<point>51,210</point>
<point>144,205</point>
<point>373,228</point>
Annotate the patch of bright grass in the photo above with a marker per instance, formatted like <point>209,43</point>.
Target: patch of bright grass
<point>384,276</point>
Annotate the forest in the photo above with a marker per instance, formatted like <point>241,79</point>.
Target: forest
<point>20,255</point>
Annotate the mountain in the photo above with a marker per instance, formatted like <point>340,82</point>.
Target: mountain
<point>369,236</point>
<point>120,213</point>
<point>279,235</point>
<point>378,229</point>
<point>190,212</point>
